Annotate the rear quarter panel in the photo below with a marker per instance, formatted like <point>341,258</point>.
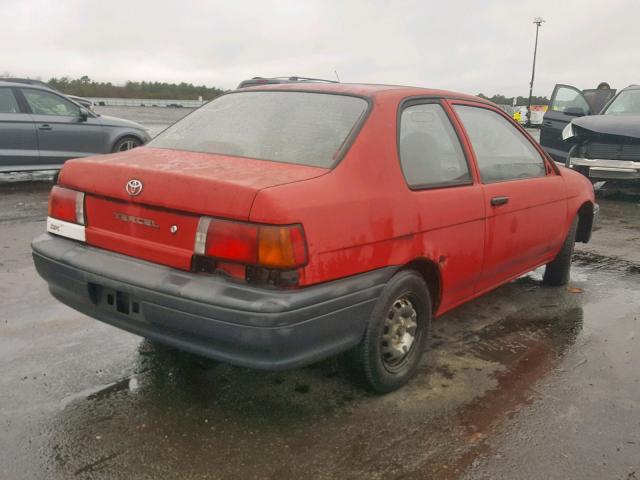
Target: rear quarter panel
<point>579,192</point>
<point>362,215</point>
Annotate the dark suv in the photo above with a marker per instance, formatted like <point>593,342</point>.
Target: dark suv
<point>601,139</point>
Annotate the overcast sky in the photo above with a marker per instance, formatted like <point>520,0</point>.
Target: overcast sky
<point>469,46</point>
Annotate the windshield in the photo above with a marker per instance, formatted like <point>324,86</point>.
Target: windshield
<point>627,102</point>
<point>292,127</point>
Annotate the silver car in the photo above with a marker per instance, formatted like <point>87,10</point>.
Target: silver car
<point>40,129</point>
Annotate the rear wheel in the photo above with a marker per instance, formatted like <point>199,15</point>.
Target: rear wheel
<point>126,143</point>
<point>396,335</point>
<point>557,272</point>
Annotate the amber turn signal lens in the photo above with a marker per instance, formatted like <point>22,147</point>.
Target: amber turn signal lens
<point>281,247</point>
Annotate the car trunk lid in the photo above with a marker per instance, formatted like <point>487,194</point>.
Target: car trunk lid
<point>159,222</point>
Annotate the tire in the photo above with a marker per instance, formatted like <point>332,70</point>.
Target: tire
<point>378,363</point>
<point>126,143</point>
<point>557,272</point>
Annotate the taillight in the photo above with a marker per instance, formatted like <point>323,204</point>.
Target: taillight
<point>270,246</point>
<point>67,205</point>
<point>66,213</point>
<point>281,247</point>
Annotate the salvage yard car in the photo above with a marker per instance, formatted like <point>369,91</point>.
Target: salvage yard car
<point>280,225</point>
<point>606,147</point>
<point>568,103</point>
<point>40,129</point>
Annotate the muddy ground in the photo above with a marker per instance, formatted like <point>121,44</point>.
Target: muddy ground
<point>527,382</point>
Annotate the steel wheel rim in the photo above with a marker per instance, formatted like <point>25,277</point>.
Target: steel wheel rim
<point>128,145</point>
<point>399,333</point>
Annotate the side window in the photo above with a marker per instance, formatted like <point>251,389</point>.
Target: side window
<point>45,103</point>
<point>430,152</point>
<point>502,152</point>
<point>569,98</point>
<point>8,103</point>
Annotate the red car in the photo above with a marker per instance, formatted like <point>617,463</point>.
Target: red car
<point>280,225</point>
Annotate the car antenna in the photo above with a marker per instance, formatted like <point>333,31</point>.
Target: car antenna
<point>336,72</point>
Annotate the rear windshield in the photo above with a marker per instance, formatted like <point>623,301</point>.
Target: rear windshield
<point>292,127</point>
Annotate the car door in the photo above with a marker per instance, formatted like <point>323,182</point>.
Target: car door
<point>62,132</point>
<point>446,196</point>
<point>524,194</point>
<point>567,103</point>
<point>18,139</point>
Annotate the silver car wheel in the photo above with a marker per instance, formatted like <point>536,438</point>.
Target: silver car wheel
<point>399,334</point>
<point>128,145</point>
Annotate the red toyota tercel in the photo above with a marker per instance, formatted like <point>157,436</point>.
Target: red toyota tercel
<point>280,225</point>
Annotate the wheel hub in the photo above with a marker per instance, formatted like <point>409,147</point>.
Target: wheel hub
<point>399,332</point>
<point>128,145</point>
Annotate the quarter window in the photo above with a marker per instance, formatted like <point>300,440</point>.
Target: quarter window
<point>502,152</point>
<point>430,152</point>
<point>8,103</point>
<point>45,103</point>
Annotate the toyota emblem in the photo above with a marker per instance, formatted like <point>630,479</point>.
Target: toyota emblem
<point>134,187</point>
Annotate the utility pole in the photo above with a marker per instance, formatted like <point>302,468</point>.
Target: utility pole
<point>538,21</point>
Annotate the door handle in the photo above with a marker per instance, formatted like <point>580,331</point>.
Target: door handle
<point>45,126</point>
<point>495,201</point>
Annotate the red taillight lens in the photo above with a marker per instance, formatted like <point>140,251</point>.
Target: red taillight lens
<point>232,241</point>
<point>281,247</point>
<point>66,204</point>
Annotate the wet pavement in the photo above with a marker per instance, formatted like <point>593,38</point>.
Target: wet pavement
<point>525,382</point>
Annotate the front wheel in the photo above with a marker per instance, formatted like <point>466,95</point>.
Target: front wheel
<point>397,333</point>
<point>558,270</point>
<point>126,143</point>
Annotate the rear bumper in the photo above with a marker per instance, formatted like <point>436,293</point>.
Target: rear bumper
<point>209,315</point>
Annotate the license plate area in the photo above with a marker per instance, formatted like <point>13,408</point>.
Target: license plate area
<point>116,300</point>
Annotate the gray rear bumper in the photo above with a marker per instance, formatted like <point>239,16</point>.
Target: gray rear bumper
<point>210,315</point>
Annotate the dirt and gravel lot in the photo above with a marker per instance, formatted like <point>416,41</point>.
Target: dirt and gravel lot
<point>526,382</point>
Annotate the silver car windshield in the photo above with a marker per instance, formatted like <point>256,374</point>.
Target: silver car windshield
<point>627,102</point>
<point>292,127</point>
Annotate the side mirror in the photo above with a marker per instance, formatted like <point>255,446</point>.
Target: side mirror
<point>84,114</point>
<point>575,111</point>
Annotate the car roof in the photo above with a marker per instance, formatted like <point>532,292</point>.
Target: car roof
<point>631,87</point>
<point>369,90</point>
<point>4,83</point>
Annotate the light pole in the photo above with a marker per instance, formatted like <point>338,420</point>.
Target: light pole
<point>538,21</point>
